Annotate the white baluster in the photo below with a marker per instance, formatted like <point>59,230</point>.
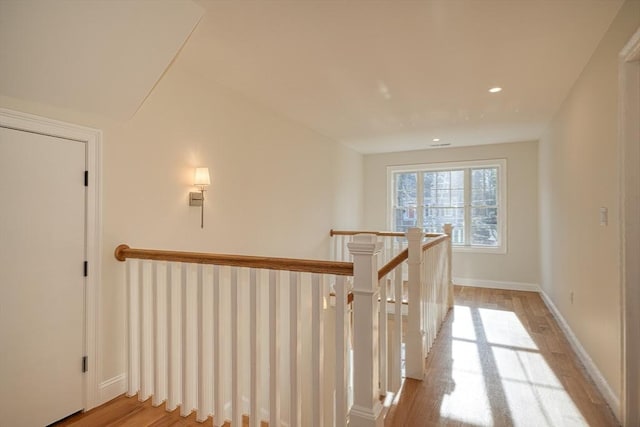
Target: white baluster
<point>396,370</point>
<point>435,295</point>
<point>445,278</point>
<point>432,297</point>
<point>192,328</point>
<point>236,408</point>
<point>317,351</point>
<point>173,343</point>
<point>426,295</point>
<point>435,292</point>
<point>133,335</point>
<point>185,410</point>
<point>218,385</point>
<point>207,376</point>
<point>383,335</point>
<point>349,286</point>
<point>202,413</point>
<point>448,230</point>
<point>295,351</point>
<point>342,351</point>
<point>146,358</point>
<point>159,361</point>
<point>254,344</point>
<point>274,348</point>
<point>437,282</point>
<point>442,290</point>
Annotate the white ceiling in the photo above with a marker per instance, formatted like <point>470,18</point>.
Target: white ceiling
<point>375,75</point>
<point>96,56</point>
<point>392,75</point>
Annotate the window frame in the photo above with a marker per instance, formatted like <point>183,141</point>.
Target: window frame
<point>500,164</point>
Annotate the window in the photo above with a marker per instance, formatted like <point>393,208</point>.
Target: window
<point>468,195</point>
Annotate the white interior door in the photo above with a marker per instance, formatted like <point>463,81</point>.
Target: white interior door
<point>42,252</point>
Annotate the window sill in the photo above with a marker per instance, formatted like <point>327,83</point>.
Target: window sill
<point>501,250</point>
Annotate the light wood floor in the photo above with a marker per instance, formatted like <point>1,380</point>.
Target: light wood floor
<point>500,360</point>
<point>129,412</point>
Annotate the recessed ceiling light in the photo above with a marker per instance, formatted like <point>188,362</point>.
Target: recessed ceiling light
<point>436,139</point>
<point>495,89</point>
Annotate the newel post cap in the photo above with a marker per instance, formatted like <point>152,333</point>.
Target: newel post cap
<point>448,229</point>
<point>364,244</point>
<point>415,233</point>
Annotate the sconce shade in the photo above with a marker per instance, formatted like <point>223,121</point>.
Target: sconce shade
<point>201,177</point>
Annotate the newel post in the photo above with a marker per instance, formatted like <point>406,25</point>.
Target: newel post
<point>366,410</point>
<point>415,334</point>
<point>448,230</point>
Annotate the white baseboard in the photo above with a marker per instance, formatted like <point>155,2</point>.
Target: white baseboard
<point>112,388</point>
<point>609,396</point>
<point>496,284</point>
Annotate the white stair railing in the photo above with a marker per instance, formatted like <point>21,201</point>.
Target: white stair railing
<point>417,288</point>
<point>210,334</point>
<point>430,295</point>
<point>391,315</point>
<point>276,339</point>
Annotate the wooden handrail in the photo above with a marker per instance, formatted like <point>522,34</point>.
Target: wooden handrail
<point>393,263</point>
<point>402,256</point>
<point>123,252</point>
<point>434,242</point>
<point>333,232</point>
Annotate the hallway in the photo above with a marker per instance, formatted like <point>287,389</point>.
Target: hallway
<point>501,360</point>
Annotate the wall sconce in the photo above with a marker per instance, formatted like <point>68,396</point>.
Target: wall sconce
<point>201,180</point>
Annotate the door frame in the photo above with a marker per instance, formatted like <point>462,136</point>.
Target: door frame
<point>93,233</point>
<point>629,158</point>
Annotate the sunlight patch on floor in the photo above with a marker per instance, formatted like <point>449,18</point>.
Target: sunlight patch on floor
<point>534,393</point>
<point>497,340</point>
<point>467,401</point>
<point>504,327</point>
<point>462,326</point>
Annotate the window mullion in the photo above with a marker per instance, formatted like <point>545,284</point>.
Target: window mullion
<point>420,200</point>
<point>467,207</point>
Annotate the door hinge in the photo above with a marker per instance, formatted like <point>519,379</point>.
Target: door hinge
<point>86,269</point>
<point>85,364</point>
<point>86,178</point>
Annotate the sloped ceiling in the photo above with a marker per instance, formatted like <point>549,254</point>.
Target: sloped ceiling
<point>95,56</point>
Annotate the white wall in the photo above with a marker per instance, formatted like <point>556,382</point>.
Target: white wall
<point>277,188</point>
<point>578,175</point>
<point>519,266</point>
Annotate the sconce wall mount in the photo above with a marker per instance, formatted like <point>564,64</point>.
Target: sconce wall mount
<point>202,181</point>
<point>196,198</point>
